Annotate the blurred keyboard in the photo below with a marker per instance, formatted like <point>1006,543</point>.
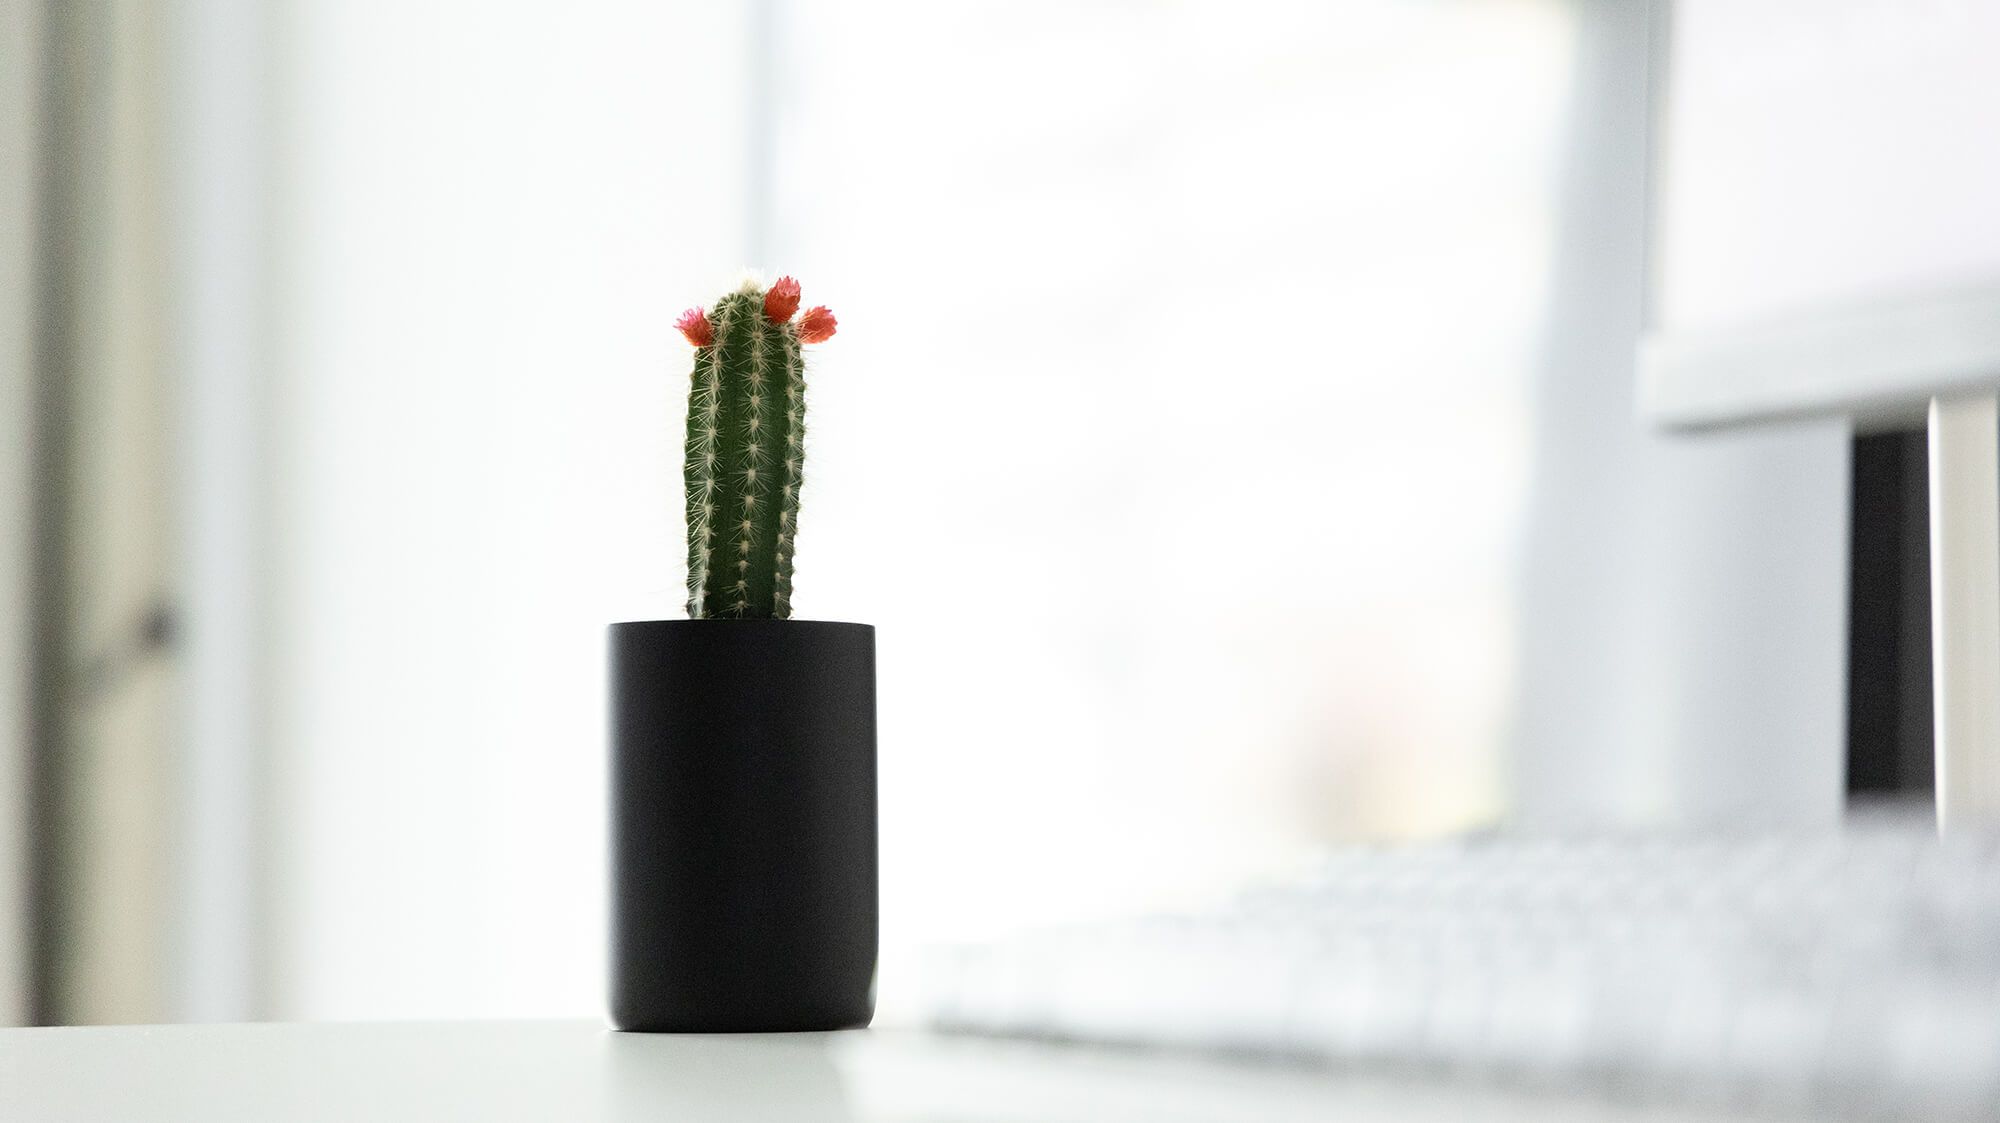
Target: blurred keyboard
<point>1853,973</point>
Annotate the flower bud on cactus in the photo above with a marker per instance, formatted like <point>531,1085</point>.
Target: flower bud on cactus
<point>746,449</point>
<point>816,326</point>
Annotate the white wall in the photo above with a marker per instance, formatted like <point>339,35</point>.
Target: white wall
<point>221,120</point>
<point>1821,153</point>
<point>1683,649</point>
<point>1177,434</point>
<point>492,214</point>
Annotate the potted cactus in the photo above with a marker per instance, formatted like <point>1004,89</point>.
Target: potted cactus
<point>742,740</point>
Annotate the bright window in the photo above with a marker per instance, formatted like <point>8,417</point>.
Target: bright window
<point>1175,439</point>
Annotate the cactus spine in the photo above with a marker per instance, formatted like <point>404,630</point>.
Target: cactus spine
<point>746,449</point>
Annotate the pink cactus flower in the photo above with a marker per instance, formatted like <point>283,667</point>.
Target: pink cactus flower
<point>781,301</point>
<point>817,325</point>
<point>694,324</point>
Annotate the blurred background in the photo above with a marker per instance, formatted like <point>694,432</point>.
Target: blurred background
<point>1231,432</point>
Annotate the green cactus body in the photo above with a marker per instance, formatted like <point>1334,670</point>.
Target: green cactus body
<point>745,450</point>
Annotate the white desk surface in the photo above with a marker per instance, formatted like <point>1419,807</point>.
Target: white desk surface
<point>500,1072</point>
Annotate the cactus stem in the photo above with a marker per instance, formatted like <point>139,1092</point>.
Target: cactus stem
<point>745,453</point>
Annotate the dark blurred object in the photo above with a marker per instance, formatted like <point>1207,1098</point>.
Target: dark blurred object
<point>152,634</point>
<point>1889,732</point>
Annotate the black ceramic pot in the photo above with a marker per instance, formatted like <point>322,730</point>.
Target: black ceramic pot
<point>742,825</point>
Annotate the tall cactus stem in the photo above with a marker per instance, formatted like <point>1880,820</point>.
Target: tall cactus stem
<point>744,466</point>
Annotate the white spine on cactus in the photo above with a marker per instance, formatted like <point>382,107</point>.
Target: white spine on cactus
<point>795,406</point>
<point>758,373</point>
<point>708,401</point>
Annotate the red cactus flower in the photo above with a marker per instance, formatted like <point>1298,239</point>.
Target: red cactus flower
<point>817,325</point>
<point>694,324</point>
<point>781,301</point>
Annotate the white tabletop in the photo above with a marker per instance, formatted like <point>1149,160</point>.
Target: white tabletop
<point>499,1072</point>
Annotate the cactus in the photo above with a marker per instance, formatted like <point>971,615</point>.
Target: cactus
<point>746,449</point>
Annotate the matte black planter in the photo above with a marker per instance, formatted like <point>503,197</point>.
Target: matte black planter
<point>742,825</point>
